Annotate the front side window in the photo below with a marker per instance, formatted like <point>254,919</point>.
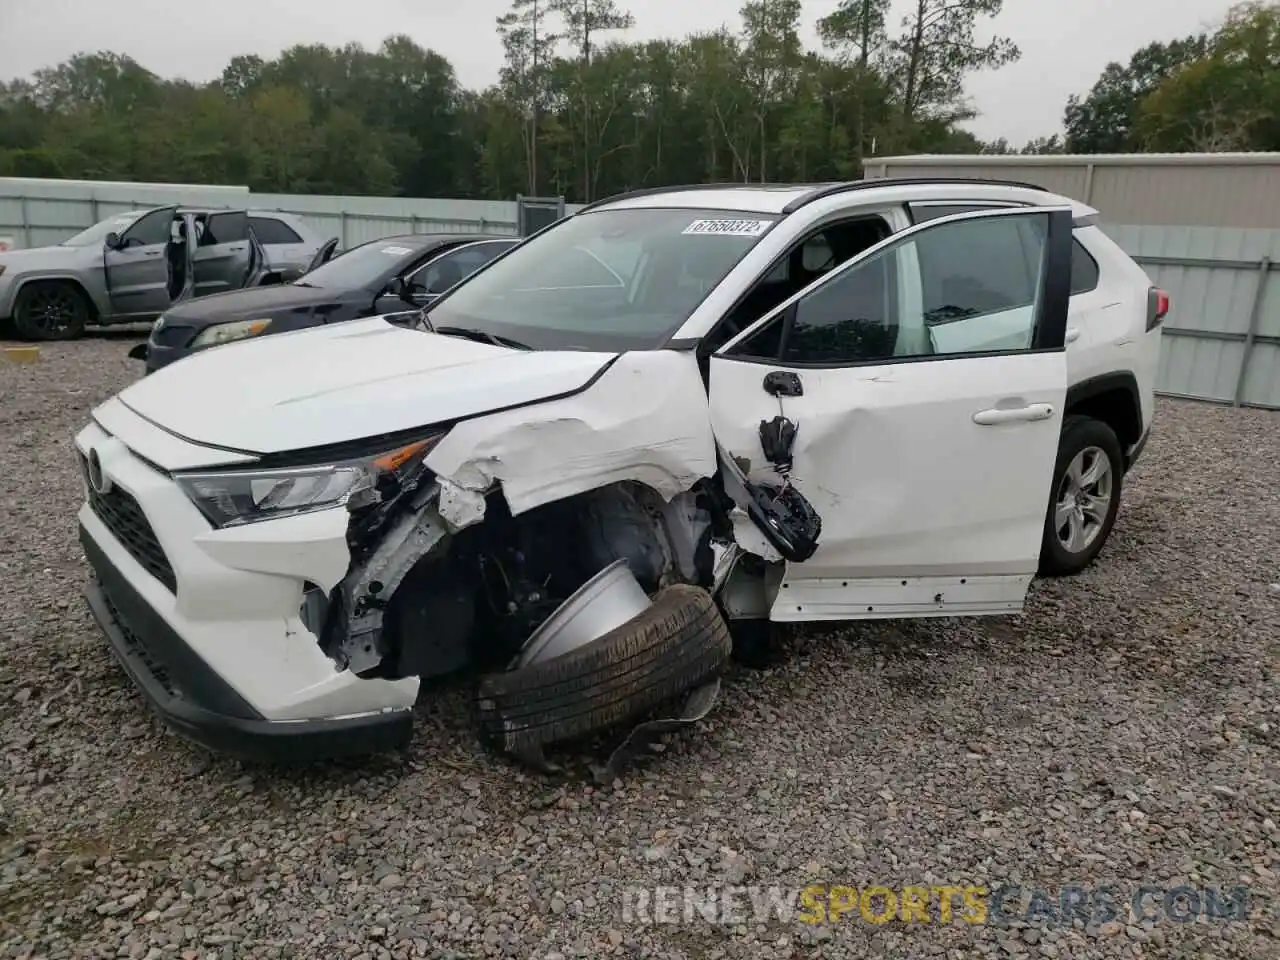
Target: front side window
<point>971,286</point>
<point>442,273</point>
<point>154,228</point>
<point>605,279</point>
<point>97,234</point>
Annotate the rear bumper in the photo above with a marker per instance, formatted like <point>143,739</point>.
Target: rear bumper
<point>192,699</point>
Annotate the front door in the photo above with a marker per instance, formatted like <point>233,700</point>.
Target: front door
<point>926,379</point>
<point>138,270</point>
<point>223,253</point>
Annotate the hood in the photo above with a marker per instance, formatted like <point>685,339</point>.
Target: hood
<point>253,303</point>
<point>346,382</point>
<point>47,258</point>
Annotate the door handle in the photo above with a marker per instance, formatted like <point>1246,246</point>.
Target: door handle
<point>998,415</point>
<point>1073,334</point>
<point>783,383</point>
<point>152,253</point>
<point>237,249</point>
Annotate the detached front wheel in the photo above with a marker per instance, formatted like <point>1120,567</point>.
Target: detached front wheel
<point>50,310</point>
<point>1087,480</point>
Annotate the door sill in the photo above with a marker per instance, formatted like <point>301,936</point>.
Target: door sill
<point>833,598</point>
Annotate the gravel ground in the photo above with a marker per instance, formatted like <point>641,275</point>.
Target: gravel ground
<point>1122,731</point>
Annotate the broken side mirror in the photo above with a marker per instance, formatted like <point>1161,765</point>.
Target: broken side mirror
<point>113,241</point>
<point>404,289</point>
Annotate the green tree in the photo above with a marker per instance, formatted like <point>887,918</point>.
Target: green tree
<point>1104,120</point>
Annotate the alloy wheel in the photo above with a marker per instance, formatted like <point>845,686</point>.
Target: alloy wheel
<point>52,310</point>
<point>1084,500</point>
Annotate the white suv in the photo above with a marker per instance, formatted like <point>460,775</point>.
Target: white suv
<point>823,402</point>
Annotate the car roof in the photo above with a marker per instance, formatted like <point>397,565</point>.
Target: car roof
<point>782,199</point>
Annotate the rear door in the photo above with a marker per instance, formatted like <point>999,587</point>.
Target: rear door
<point>223,255</point>
<point>138,271</point>
<point>926,389</point>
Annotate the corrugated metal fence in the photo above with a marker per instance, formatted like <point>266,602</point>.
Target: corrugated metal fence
<point>1222,335</point>
<point>38,212</point>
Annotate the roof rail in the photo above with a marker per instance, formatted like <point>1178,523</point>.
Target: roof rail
<point>828,191</point>
<point>672,188</point>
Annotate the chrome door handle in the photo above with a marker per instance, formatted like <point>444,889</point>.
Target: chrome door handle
<point>1073,334</point>
<point>997,415</point>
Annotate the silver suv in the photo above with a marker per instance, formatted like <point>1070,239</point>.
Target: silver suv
<point>135,265</point>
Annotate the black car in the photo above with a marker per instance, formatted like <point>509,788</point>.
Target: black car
<point>386,276</point>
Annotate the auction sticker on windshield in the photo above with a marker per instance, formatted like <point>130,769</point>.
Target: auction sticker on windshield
<point>396,251</point>
<point>729,228</point>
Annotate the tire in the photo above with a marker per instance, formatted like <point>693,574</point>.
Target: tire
<point>50,310</point>
<point>1085,440</point>
<point>678,643</point>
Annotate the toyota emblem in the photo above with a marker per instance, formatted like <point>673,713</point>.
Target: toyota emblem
<point>97,479</point>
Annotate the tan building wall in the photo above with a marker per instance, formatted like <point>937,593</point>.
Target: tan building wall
<point>1191,189</point>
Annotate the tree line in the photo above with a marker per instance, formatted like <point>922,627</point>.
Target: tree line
<point>580,111</point>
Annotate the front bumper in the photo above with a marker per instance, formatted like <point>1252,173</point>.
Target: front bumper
<point>197,703</point>
<point>208,622</point>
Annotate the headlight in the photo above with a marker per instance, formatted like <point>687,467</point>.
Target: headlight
<point>226,332</point>
<point>232,497</point>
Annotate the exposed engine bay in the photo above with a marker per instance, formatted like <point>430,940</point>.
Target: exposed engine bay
<point>478,540</point>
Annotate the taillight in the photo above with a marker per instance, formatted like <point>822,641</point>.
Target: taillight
<point>1157,307</point>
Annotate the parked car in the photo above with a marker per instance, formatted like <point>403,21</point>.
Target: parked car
<point>133,266</point>
<point>390,275</point>
<point>811,403</point>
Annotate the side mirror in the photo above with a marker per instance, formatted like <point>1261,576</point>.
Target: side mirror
<point>113,241</point>
<point>404,289</point>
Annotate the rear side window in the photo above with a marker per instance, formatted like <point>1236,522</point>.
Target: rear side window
<point>224,228</point>
<point>1084,269</point>
<point>271,230</point>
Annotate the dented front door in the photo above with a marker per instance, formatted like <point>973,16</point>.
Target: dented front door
<point>925,380</point>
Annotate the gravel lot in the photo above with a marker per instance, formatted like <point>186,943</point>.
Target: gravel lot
<point>1122,731</point>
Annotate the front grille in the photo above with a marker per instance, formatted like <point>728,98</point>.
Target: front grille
<point>136,647</point>
<point>121,514</point>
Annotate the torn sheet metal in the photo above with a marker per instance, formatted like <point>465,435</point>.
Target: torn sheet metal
<point>645,419</point>
<point>696,706</point>
<point>459,507</point>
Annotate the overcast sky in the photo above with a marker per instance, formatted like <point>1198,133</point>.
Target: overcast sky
<point>1065,43</point>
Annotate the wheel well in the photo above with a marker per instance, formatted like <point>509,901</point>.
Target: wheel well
<point>1116,406</point>
<point>68,281</point>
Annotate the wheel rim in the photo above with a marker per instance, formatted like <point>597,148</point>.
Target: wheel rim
<point>52,310</point>
<point>1084,500</point>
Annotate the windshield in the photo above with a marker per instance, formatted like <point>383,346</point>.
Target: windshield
<point>98,232</point>
<point>359,265</point>
<point>604,280</point>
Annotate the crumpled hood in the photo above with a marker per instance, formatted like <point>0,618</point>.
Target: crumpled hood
<point>346,382</point>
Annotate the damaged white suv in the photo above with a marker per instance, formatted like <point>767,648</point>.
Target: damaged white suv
<point>673,409</point>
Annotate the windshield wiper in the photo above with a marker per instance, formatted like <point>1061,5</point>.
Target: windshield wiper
<point>303,283</point>
<point>483,336</point>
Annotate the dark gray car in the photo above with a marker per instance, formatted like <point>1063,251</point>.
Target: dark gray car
<point>136,265</point>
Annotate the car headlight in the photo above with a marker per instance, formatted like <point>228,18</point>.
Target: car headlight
<point>227,332</point>
<point>232,497</point>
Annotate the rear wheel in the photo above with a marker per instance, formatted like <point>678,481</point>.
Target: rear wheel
<point>50,310</point>
<point>1087,479</point>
